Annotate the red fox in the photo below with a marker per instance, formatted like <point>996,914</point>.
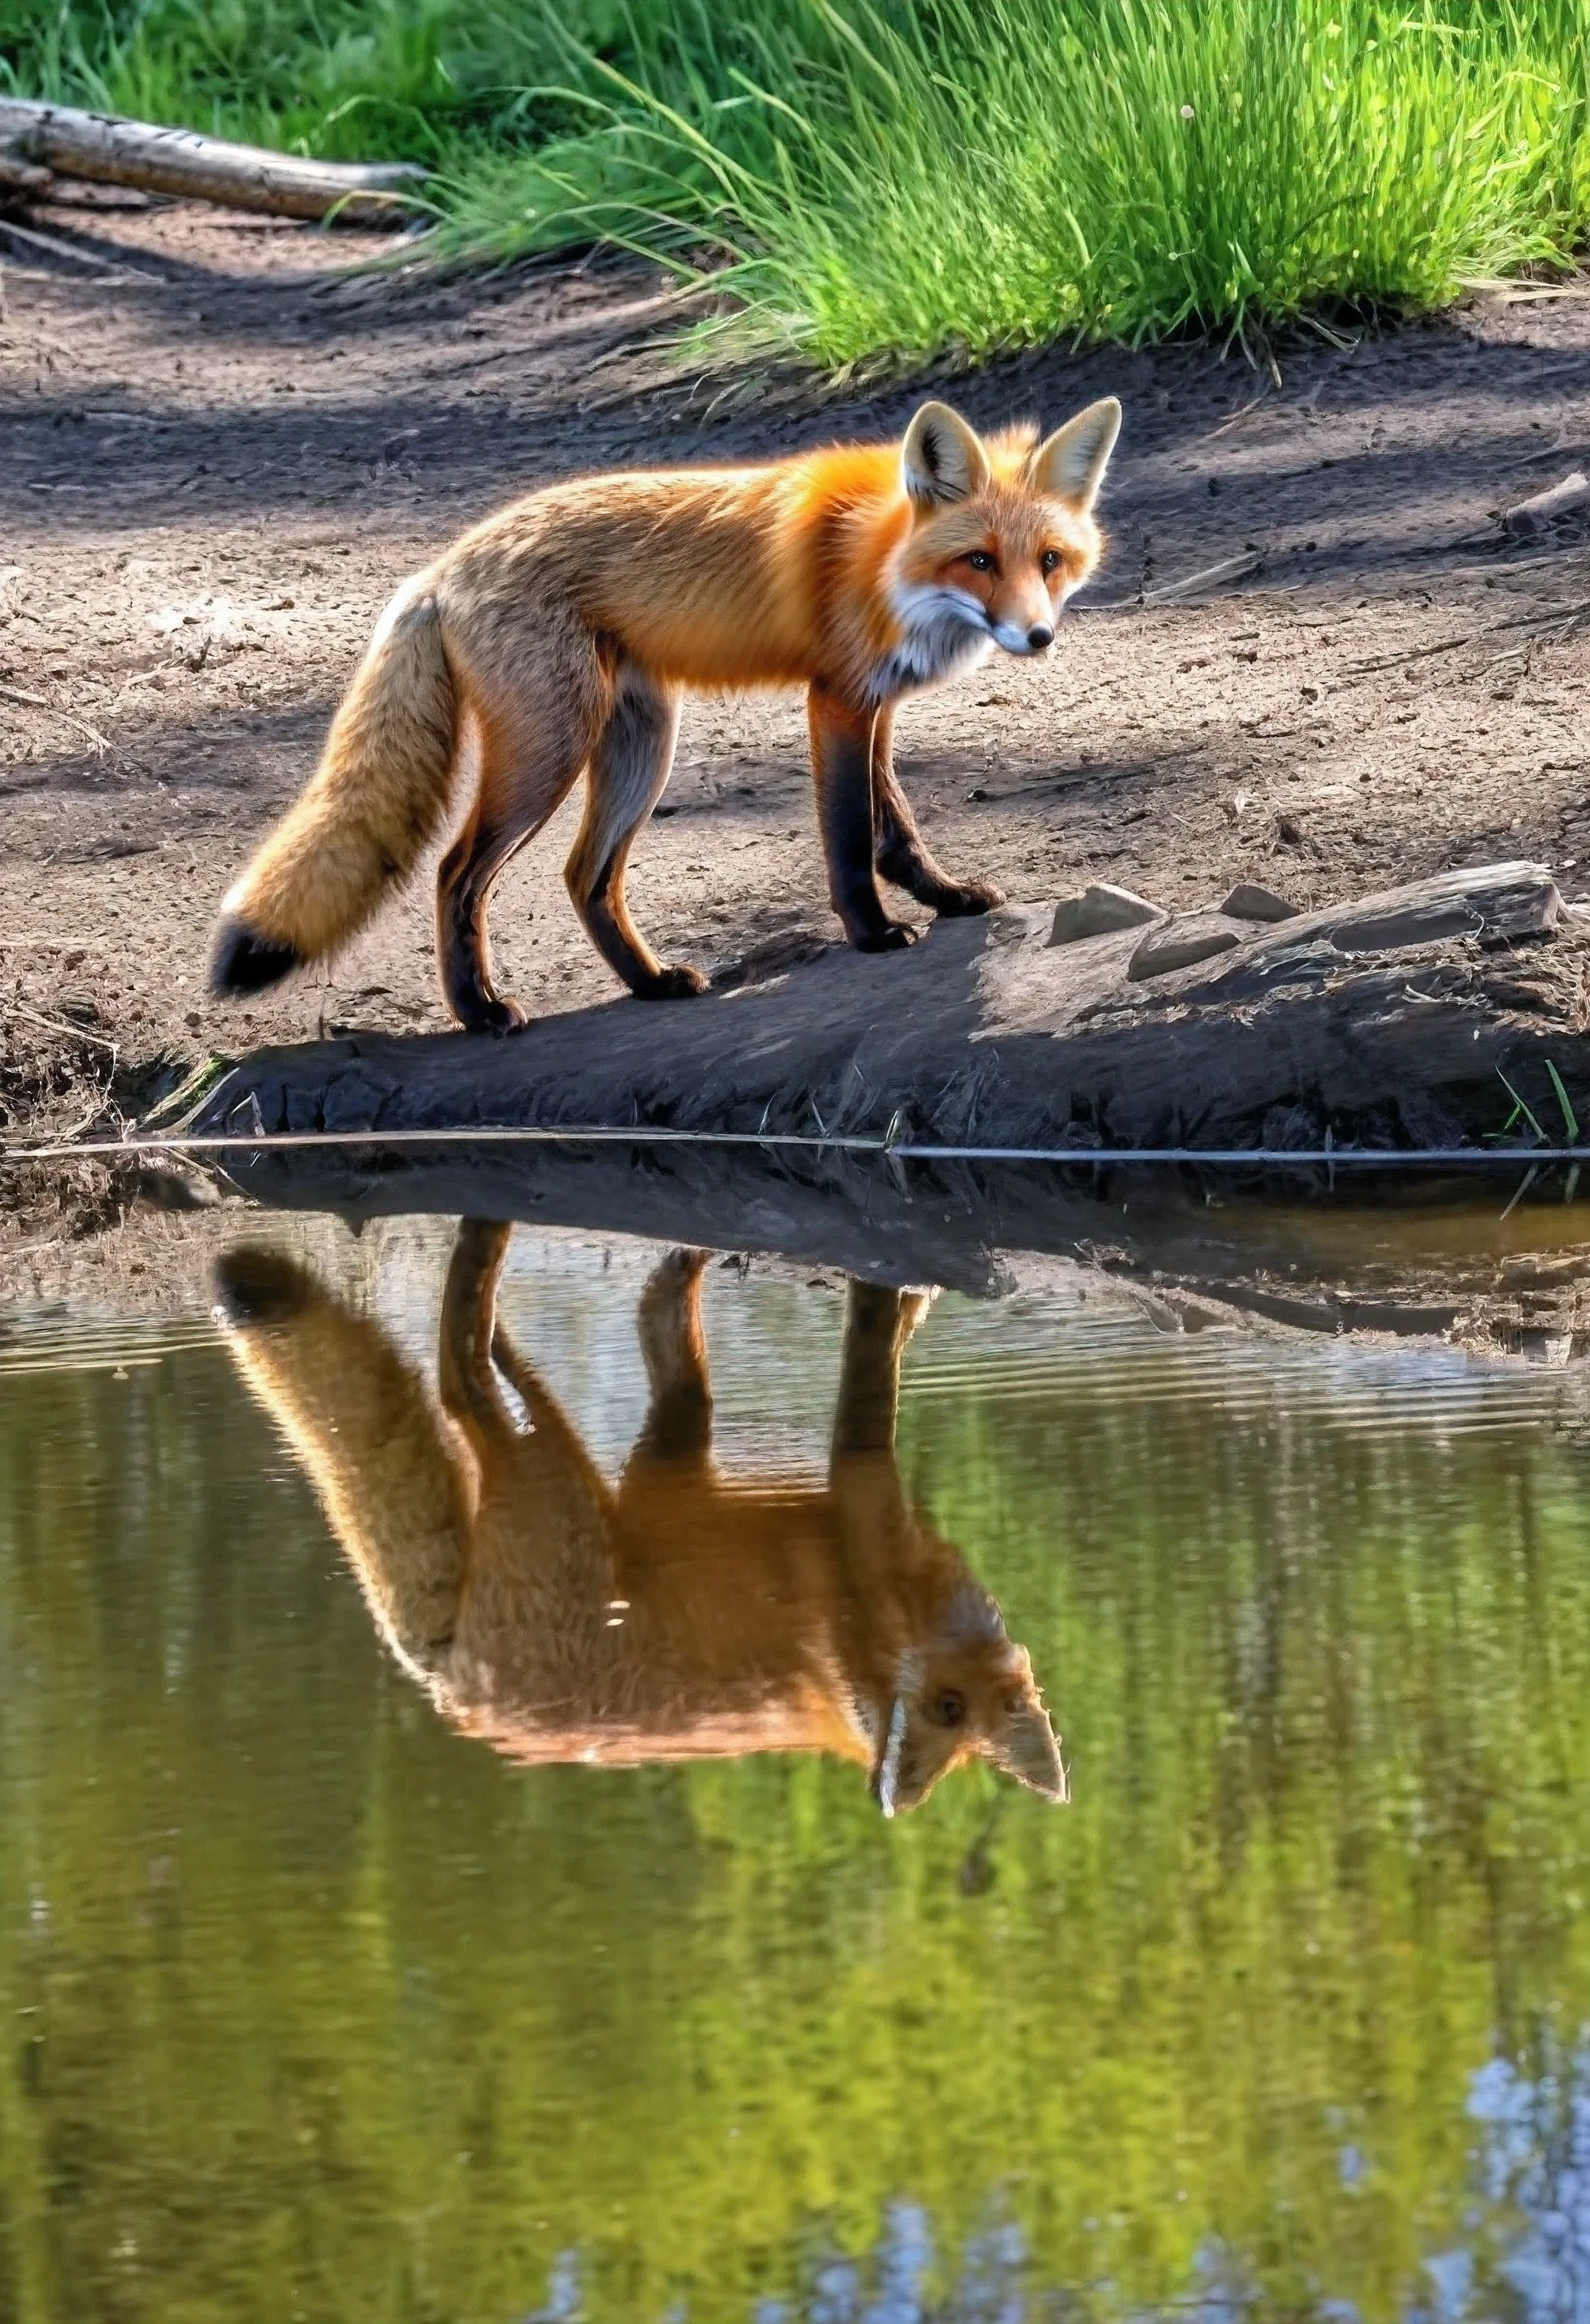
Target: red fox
<point>679,1616</point>
<point>558,637</point>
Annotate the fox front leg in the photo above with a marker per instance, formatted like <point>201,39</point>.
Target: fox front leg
<point>841,768</point>
<point>902,858</point>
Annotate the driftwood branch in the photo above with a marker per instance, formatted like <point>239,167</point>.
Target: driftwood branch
<point>108,151</point>
<point>1542,510</point>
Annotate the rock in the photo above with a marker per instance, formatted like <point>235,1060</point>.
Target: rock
<point>1498,903</point>
<point>1190,936</point>
<point>1100,910</point>
<point>1248,902</point>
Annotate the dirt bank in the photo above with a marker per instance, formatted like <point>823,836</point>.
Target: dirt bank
<point>220,458</point>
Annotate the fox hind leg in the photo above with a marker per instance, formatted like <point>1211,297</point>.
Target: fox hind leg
<point>903,857</point>
<point>469,1391</point>
<point>475,1355</point>
<point>533,745</point>
<point>679,1423</point>
<point>629,770</point>
<point>878,1322</point>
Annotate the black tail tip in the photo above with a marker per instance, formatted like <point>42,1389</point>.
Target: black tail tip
<point>257,1286</point>
<point>243,961</point>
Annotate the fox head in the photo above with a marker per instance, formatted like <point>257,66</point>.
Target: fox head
<point>966,1691</point>
<point>1001,531</point>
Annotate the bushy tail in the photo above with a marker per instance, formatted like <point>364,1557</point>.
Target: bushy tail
<point>380,794</point>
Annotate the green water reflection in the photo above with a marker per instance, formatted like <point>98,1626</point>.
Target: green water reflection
<point>314,2007</point>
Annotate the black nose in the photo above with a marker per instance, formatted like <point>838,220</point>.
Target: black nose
<point>1039,636</point>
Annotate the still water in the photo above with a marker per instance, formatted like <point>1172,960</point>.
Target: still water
<point>443,1869</point>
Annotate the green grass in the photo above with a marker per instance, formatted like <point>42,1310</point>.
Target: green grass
<point>423,80</point>
<point>902,181</point>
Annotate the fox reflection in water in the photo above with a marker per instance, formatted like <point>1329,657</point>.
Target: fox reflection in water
<point>678,1615</point>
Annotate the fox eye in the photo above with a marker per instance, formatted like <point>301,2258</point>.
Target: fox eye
<point>981,560</point>
<point>1049,562</point>
<point>948,1708</point>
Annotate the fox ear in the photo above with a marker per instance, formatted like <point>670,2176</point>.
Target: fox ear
<point>942,459</point>
<point>1023,1746</point>
<point>1069,465</point>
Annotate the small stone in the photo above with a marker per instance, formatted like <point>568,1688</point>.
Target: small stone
<point>1248,902</point>
<point>1100,910</point>
<point>1191,937</point>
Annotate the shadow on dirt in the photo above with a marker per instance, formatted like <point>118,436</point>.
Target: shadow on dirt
<point>1354,467</point>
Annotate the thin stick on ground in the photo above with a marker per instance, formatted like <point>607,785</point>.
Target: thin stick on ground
<point>37,701</point>
<point>58,1025</point>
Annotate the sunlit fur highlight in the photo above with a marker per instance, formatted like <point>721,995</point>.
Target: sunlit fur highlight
<point>556,637</point>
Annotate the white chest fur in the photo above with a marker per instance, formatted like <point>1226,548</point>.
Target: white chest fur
<point>944,630</point>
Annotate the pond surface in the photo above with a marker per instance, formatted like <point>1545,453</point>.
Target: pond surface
<point>443,1866</point>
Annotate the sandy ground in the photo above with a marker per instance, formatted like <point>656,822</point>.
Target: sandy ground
<point>221,454</point>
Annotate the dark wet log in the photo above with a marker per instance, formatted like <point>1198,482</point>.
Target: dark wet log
<point>107,150</point>
<point>1386,1022</point>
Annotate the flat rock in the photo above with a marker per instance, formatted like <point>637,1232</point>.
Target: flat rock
<point>1498,903</point>
<point>1248,902</point>
<point>1179,943</point>
<point>1100,910</point>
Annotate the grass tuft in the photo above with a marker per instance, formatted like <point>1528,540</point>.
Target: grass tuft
<point>900,181</point>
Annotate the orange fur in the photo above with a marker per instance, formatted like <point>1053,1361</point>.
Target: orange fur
<point>674,1615</point>
<point>560,633</point>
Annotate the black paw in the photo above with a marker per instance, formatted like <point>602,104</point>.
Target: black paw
<point>241,962</point>
<point>966,901</point>
<point>678,982</point>
<point>483,1015</point>
<point>893,938</point>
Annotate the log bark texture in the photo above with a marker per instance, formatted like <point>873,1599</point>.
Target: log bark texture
<point>107,150</point>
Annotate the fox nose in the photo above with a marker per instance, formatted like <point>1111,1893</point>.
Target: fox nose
<point>1039,636</point>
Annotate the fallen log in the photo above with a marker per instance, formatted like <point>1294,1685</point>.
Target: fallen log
<point>107,150</point>
<point>23,182</point>
<point>1405,1019</point>
<point>1542,510</point>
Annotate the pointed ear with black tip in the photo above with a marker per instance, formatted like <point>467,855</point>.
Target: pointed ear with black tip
<point>1023,1746</point>
<point>942,459</point>
<point>1069,465</point>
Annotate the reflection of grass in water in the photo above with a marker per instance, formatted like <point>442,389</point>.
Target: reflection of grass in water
<point>907,179</point>
<point>335,2013</point>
